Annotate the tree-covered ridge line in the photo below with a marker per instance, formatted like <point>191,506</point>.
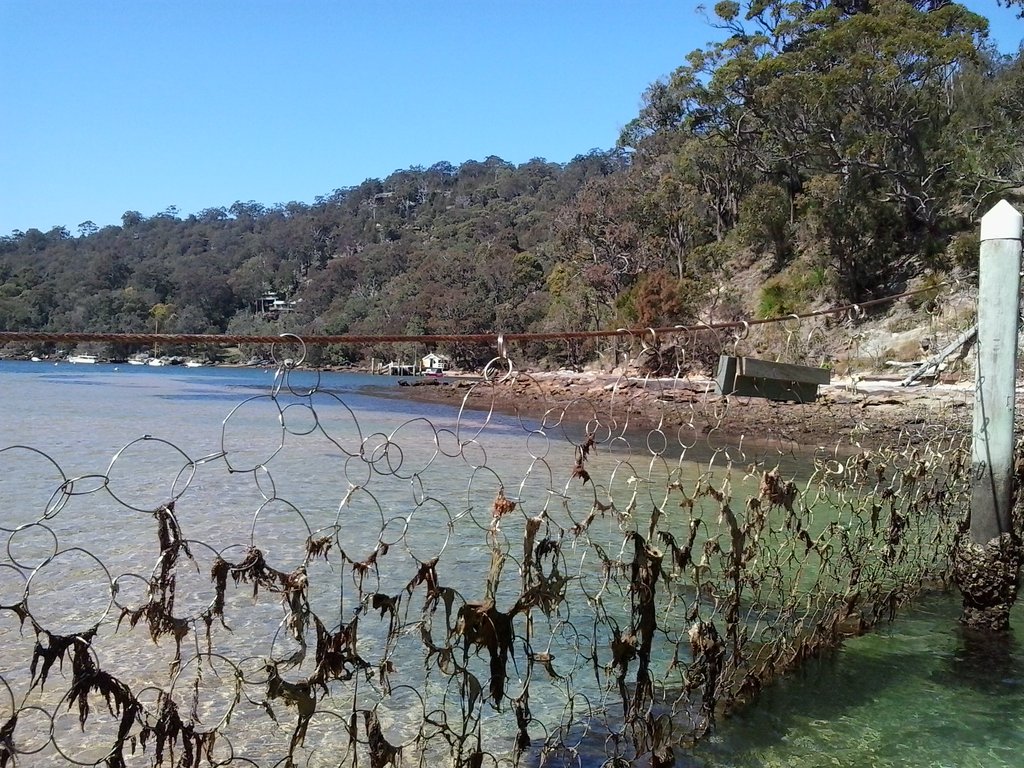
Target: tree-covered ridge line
<point>821,151</point>
<point>444,249</point>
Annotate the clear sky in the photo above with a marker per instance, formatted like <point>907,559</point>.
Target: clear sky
<point>108,106</point>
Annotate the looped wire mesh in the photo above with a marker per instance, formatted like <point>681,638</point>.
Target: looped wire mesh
<point>531,575</point>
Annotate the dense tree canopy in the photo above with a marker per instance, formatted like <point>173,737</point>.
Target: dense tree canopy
<point>882,124</point>
<point>832,149</point>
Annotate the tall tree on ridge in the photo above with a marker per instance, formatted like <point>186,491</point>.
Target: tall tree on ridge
<point>855,95</point>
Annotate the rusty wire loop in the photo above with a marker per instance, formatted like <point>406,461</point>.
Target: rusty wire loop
<point>851,311</point>
<point>536,576</point>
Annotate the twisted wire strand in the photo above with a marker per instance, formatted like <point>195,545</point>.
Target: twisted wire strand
<point>569,579</point>
<point>47,337</point>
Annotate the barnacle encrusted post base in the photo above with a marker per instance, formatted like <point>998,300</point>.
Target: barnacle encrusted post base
<point>988,577</point>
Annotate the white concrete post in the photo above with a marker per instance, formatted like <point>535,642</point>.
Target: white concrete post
<point>996,373</point>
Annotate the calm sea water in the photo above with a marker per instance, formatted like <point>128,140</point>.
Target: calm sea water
<point>918,692</point>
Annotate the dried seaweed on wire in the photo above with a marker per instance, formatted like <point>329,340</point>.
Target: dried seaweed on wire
<point>656,594</point>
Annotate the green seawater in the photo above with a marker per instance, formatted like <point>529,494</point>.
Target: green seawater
<point>917,692</point>
<point>921,691</point>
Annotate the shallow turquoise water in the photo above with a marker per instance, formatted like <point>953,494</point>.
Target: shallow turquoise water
<point>921,691</point>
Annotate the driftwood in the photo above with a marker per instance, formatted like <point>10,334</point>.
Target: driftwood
<point>961,342</point>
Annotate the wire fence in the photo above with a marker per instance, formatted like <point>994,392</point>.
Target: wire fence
<point>649,335</point>
<point>539,574</point>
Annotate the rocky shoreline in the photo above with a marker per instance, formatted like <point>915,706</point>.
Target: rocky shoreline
<point>858,414</point>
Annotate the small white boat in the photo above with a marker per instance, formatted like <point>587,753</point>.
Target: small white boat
<point>193,364</point>
<point>155,361</point>
<point>83,359</point>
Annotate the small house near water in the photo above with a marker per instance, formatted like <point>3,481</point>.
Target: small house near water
<point>432,364</point>
<point>434,361</point>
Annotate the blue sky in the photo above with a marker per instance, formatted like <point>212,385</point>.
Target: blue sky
<point>141,105</point>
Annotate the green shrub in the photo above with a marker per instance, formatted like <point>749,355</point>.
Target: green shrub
<point>777,298</point>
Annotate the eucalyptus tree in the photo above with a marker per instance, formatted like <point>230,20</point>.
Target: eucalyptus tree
<point>857,97</point>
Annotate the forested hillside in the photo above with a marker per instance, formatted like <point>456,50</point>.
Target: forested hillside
<point>832,150</point>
